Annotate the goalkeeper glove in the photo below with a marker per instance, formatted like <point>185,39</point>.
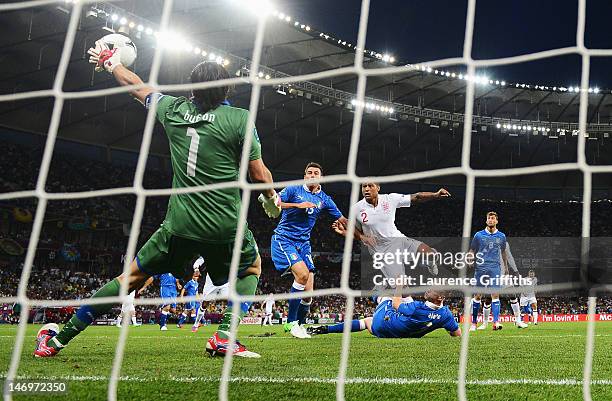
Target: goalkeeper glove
<point>104,58</point>
<point>270,205</point>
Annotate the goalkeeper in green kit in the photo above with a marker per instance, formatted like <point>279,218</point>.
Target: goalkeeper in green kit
<point>206,137</point>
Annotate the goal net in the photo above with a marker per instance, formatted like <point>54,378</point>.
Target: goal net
<point>248,189</point>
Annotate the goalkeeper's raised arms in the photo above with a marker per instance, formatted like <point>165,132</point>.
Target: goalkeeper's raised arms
<point>110,60</point>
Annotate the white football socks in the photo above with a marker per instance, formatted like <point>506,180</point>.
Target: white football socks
<point>198,317</point>
<point>486,311</point>
<point>516,309</point>
<point>57,343</point>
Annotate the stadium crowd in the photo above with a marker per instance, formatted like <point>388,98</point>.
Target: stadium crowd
<point>63,284</point>
<point>83,241</point>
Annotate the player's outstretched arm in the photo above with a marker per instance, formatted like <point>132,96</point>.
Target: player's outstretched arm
<point>342,221</point>
<point>258,172</point>
<point>427,196</point>
<point>510,262</point>
<point>110,60</point>
<point>357,234</point>
<point>456,333</point>
<point>301,205</point>
<point>125,77</point>
<point>145,285</point>
<point>342,229</point>
<point>506,266</point>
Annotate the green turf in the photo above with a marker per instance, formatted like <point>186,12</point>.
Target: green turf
<point>172,365</point>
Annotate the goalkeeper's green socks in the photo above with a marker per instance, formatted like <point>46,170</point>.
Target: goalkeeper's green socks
<point>86,315</point>
<point>244,286</point>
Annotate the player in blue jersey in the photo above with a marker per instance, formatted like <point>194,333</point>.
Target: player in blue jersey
<point>168,286</point>
<point>402,318</point>
<point>301,206</point>
<point>489,248</point>
<point>190,289</point>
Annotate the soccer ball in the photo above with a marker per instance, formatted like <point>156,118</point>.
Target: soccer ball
<point>128,48</point>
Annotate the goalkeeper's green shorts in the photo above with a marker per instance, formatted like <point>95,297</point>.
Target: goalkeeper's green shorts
<point>165,252</point>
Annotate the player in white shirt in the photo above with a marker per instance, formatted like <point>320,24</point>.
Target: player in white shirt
<point>376,228</point>
<point>528,299</point>
<point>209,292</point>
<point>514,301</point>
<point>128,310</point>
<point>269,307</point>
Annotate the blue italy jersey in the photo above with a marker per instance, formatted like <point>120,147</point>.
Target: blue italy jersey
<point>414,319</point>
<point>296,223</point>
<point>191,288</point>
<point>166,280</point>
<point>490,247</point>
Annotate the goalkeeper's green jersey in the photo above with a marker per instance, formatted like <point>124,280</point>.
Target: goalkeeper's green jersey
<point>205,148</point>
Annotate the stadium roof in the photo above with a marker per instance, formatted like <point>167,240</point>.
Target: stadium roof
<point>305,121</point>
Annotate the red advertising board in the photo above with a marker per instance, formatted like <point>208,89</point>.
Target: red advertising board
<point>582,317</point>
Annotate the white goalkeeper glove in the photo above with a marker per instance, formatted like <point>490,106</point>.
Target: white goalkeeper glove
<point>270,205</point>
<point>103,57</point>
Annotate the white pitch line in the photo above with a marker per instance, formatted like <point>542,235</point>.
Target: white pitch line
<point>280,337</point>
<point>322,380</point>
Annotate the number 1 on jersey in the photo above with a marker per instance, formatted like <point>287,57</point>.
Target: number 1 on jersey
<point>193,151</point>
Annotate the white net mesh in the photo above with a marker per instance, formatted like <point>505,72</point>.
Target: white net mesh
<point>137,189</point>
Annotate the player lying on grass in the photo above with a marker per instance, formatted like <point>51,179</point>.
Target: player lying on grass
<point>402,318</point>
<point>290,248</point>
<point>206,138</point>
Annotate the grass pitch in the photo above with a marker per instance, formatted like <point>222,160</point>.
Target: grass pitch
<point>543,362</point>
